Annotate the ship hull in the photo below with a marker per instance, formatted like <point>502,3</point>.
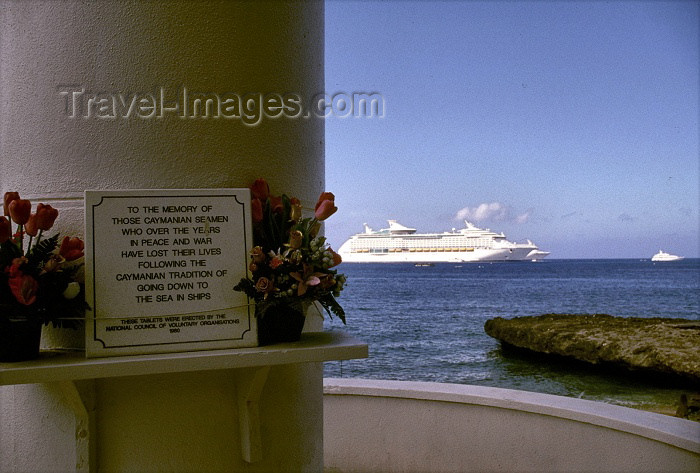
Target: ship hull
<point>427,257</point>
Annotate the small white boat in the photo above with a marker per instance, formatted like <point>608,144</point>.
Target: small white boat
<point>663,256</point>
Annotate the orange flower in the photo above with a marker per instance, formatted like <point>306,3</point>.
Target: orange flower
<point>306,280</point>
<point>276,262</point>
<point>20,210</point>
<point>45,216</point>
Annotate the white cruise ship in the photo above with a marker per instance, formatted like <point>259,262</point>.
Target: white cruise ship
<point>400,244</point>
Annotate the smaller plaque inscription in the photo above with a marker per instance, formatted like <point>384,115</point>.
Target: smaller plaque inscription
<point>160,270</point>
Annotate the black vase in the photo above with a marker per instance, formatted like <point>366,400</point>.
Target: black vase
<point>279,322</point>
<point>19,339</point>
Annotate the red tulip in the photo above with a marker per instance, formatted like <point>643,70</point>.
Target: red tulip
<point>260,190</point>
<point>325,210</point>
<point>24,288</point>
<point>45,216</point>
<point>325,207</point>
<point>20,210</point>
<point>31,228</point>
<point>5,230</point>
<point>71,248</point>
<point>324,196</point>
<point>256,210</point>
<point>9,197</point>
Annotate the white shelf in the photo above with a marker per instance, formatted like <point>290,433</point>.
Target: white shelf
<point>62,366</point>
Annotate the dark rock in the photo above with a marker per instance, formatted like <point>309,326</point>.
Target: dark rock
<point>657,345</point>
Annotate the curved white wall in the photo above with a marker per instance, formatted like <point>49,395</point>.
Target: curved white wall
<point>379,425</point>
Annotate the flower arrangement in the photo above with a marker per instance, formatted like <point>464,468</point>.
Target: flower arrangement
<point>290,264</point>
<point>39,283</point>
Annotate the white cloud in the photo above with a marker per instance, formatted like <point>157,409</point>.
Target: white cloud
<point>522,218</point>
<point>491,211</point>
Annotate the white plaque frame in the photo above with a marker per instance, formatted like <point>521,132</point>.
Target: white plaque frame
<point>160,266</point>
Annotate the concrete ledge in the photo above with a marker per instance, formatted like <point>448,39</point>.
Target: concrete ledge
<point>477,428</point>
<point>61,366</point>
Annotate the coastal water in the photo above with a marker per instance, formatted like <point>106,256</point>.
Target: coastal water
<point>427,323</point>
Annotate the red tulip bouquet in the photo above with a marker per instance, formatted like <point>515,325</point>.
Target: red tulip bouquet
<point>39,282</point>
<point>291,266</point>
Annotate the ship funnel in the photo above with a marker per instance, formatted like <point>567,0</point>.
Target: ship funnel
<point>367,229</point>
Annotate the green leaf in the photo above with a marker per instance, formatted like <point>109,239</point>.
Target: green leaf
<point>332,307</point>
<point>41,253</point>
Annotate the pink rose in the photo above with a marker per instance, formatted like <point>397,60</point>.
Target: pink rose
<point>263,285</point>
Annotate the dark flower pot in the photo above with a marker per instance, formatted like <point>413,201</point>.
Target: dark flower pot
<point>19,339</point>
<point>279,323</point>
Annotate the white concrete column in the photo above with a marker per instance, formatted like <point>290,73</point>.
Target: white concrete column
<point>54,143</point>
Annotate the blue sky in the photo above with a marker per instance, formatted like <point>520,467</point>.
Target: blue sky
<point>572,124</point>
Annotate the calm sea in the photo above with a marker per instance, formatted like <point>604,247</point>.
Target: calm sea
<point>427,323</point>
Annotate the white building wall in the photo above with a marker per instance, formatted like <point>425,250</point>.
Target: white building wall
<point>394,426</point>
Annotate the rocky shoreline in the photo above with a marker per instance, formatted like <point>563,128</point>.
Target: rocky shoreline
<point>660,348</point>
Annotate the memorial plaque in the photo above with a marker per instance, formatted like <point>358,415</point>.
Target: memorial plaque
<point>160,270</point>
